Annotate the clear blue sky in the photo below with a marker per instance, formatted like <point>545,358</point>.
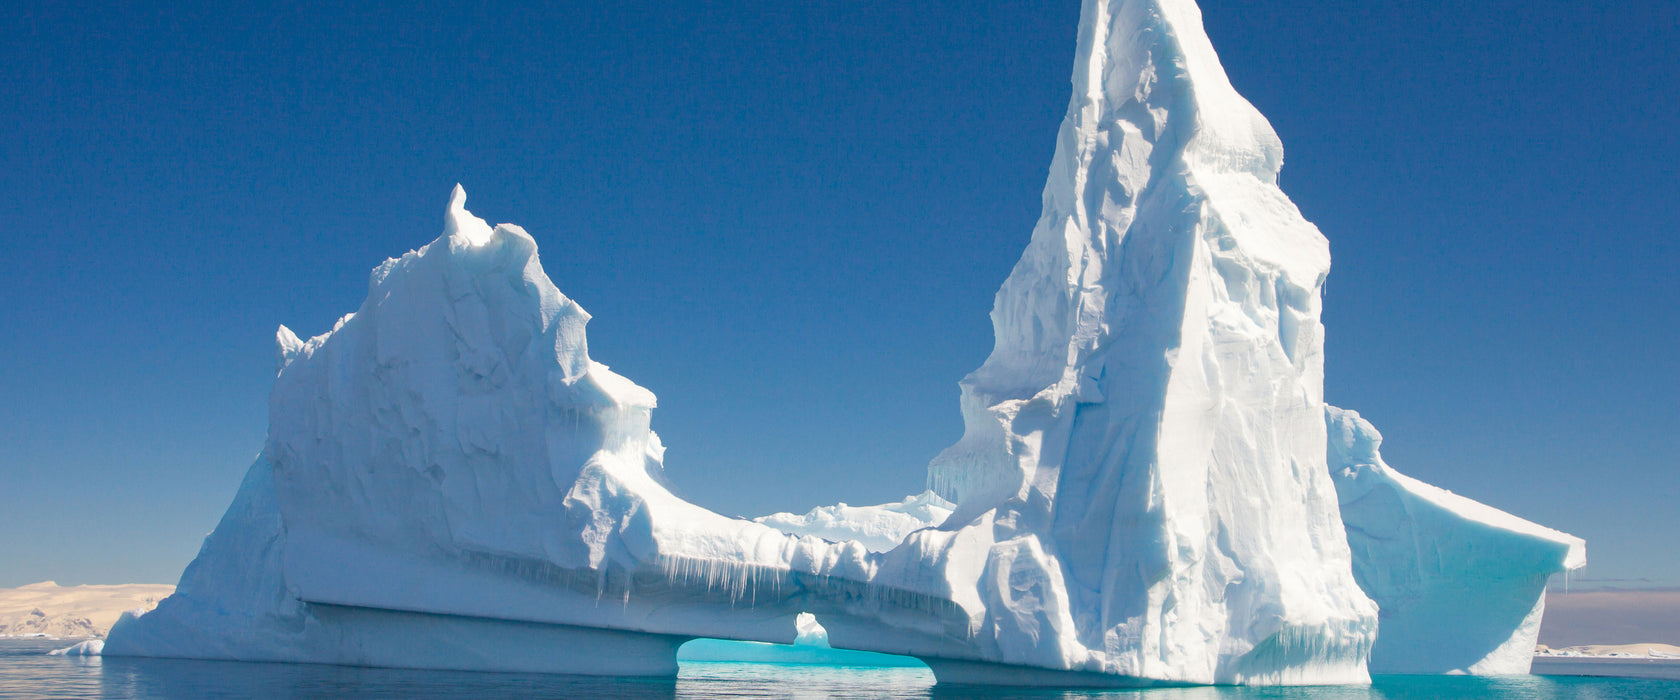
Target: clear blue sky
<point>789,218</point>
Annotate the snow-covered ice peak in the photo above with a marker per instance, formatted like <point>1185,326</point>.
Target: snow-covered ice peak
<point>1154,125</point>
<point>286,347</point>
<point>460,222</point>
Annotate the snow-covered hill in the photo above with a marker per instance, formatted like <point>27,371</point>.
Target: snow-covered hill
<point>47,609</point>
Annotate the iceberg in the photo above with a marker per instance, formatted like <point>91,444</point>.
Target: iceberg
<point>1460,585</point>
<point>451,481</point>
<point>1141,496</point>
<point>91,647</point>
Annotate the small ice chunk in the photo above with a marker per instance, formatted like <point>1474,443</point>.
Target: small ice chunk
<point>91,647</point>
<point>810,634</point>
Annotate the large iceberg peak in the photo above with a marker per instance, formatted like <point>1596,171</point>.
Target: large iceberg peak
<point>1159,162</point>
<point>1158,362</point>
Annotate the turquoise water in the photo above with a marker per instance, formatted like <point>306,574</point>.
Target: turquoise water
<point>699,650</point>
<point>26,672</point>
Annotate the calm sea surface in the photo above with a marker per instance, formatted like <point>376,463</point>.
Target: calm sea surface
<point>27,672</point>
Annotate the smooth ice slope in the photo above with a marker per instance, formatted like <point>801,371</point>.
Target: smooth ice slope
<point>1461,586</point>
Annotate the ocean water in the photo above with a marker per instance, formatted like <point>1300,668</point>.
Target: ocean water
<point>27,672</point>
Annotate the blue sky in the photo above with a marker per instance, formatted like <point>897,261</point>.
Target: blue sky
<point>789,219</point>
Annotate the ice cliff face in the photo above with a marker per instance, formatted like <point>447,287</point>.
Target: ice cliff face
<point>1461,586</point>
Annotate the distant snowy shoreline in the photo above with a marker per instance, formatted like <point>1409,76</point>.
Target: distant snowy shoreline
<point>47,610</point>
<point>1611,651</point>
<point>1667,668</point>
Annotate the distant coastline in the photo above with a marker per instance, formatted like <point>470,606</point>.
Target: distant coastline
<point>47,610</point>
<point>1611,618</point>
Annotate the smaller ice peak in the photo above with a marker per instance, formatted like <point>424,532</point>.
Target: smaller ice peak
<point>286,346</point>
<point>460,222</point>
<point>1460,585</point>
<point>878,528</point>
<point>808,633</point>
<point>1356,462</point>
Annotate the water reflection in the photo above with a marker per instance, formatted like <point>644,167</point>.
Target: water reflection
<point>172,678</point>
<point>26,672</point>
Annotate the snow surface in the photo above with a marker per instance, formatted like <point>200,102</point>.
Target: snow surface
<point>1141,494</point>
<point>1461,585</point>
<point>47,609</point>
<point>878,528</point>
<point>1617,651</point>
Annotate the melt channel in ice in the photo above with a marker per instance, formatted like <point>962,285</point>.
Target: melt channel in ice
<point>1461,586</point>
